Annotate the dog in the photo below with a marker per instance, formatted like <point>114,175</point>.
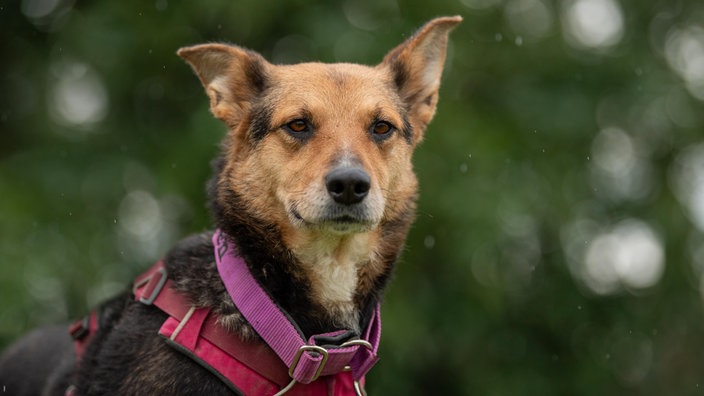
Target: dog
<point>313,195</point>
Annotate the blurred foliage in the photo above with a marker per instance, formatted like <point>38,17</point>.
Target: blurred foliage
<point>559,243</point>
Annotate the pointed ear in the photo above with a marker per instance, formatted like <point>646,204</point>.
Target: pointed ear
<point>416,67</point>
<point>232,77</point>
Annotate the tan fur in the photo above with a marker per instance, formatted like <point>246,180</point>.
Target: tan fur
<point>281,178</point>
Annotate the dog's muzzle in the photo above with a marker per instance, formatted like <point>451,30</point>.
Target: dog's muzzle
<point>346,203</point>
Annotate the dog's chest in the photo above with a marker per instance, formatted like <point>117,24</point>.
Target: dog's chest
<point>333,272</point>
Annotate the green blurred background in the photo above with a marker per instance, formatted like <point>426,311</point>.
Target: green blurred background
<point>559,245</point>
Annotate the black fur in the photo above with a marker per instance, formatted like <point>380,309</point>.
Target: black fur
<point>255,72</point>
<point>40,363</point>
<point>400,73</point>
<point>261,123</point>
<point>407,130</point>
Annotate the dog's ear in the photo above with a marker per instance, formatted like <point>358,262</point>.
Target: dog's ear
<point>416,67</point>
<point>232,77</point>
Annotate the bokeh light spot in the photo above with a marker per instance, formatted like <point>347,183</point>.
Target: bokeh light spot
<point>78,96</point>
<point>38,8</point>
<point>140,214</point>
<point>687,179</point>
<point>531,19</point>
<point>684,50</point>
<point>620,169</point>
<point>593,24</point>
<point>628,255</point>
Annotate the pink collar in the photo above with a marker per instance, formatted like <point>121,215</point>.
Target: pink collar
<point>306,361</point>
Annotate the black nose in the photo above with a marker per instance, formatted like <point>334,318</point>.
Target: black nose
<point>347,186</point>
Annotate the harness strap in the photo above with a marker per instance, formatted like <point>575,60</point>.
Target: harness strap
<point>82,332</point>
<point>249,368</point>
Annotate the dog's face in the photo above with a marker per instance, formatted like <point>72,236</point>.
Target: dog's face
<point>324,149</point>
<point>336,151</point>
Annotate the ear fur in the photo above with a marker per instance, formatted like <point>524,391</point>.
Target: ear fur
<point>416,67</point>
<point>232,77</point>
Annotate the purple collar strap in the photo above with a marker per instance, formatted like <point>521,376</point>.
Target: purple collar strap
<point>306,360</point>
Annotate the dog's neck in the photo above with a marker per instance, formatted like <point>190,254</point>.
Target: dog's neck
<point>332,265</point>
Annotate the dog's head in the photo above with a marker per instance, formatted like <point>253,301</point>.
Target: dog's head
<point>324,148</point>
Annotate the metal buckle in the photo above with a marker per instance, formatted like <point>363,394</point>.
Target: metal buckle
<point>360,341</point>
<point>286,388</point>
<point>80,328</point>
<point>359,389</point>
<point>157,289</point>
<point>309,348</point>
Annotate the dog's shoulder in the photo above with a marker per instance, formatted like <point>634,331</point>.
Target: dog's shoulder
<point>131,358</point>
<point>191,266</point>
<point>128,355</point>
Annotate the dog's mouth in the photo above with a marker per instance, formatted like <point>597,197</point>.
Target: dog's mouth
<point>345,219</point>
<point>335,219</point>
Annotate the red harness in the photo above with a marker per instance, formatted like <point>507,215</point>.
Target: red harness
<point>248,368</point>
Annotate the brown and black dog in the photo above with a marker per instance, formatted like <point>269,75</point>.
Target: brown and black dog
<point>315,186</point>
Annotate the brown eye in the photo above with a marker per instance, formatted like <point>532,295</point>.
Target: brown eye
<point>381,128</point>
<point>297,126</point>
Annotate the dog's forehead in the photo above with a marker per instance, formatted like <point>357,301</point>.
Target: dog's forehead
<point>334,89</point>
<point>325,72</point>
<point>332,78</point>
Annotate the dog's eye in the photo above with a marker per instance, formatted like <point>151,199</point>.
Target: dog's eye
<point>297,126</point>
<point>381,129</point>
